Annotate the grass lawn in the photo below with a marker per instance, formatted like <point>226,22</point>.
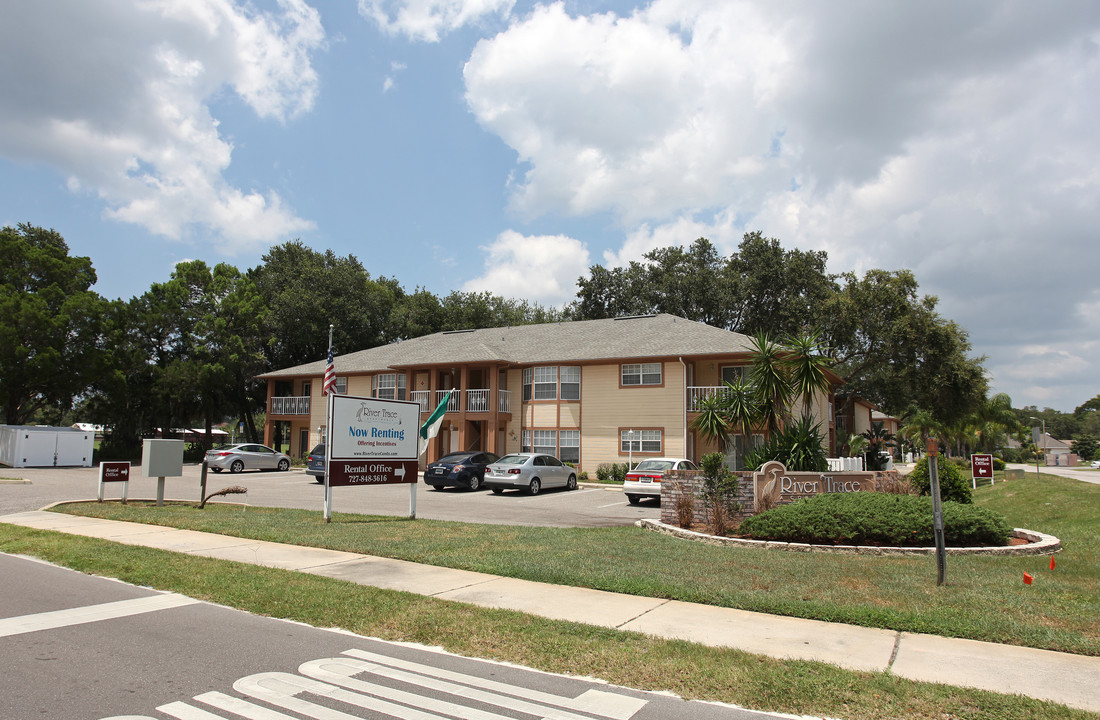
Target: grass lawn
<point>630,659</point>
<point>984,598</point>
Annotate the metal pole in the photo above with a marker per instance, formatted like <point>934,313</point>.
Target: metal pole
<point>328,443</point>
<point>202,482</point>
<point>937,510</point>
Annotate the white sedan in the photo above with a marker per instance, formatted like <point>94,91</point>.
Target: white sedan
<point>645,479</point>
<point>529,471</point>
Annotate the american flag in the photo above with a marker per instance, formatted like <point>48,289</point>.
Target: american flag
<point>329,385</point>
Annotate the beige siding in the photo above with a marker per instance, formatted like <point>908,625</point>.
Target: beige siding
<point>544,415</point>
<point>607,407</point>
<point>570,415</point>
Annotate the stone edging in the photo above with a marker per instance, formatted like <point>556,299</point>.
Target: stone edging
<point>1038,543</point>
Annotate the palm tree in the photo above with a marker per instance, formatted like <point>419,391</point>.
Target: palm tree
<point>993,420</point>
<point>769,378</point>
<point>711,422</point>
<point>807,367</point>
<point>920,425</point>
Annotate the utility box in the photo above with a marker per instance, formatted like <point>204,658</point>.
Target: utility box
<point>161,458</point>
<point>45,446</point>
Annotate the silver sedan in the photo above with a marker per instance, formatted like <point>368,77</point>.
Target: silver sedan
<point>236,458</point>
<point>529,471</point>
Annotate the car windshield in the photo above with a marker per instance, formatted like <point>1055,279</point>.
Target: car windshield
<point>319,450</point>
<point>454,458</point>
<point>223,447</point>
<point>512,460</point>
<point>653,465</point>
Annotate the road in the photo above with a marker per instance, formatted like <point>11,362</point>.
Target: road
<point>587,506</point>
<point>1084,474</point>
<point>78,647</point>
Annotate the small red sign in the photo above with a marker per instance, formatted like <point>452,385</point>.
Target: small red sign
<point>982,466</point>
<point>114,471</point>
<point>372,472</point>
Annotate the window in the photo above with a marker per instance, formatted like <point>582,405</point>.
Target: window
<point>546,383</point>
<point>570,446</point>
<point>526,384</point>
<point>390,386</point>
<point>570,382</point>
<point>341,386</point>
<point>546,442</point>
<point>642,374</point>
<point>646,441</point>
<point>306,388</point>
<point>734,374</point>
<point>525,444</point>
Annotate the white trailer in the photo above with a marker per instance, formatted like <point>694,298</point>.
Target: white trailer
<point>44,446</point>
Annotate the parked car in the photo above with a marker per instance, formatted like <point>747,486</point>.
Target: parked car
<point>529,471</point>
<point>461,469</point>
<point>1095,464</point>
<point>315,462</point>
<point>645,479</point>
<point>236,458</point>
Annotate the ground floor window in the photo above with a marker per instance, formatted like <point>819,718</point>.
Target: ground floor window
<point>640,441</point>
<point>546,442</point>
<point>570,446</point>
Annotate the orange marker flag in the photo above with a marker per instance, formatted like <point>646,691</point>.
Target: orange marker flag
<point>1027,578</point>
<point>1051,562</point>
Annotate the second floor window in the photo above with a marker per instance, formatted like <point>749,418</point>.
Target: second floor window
<point>642,374</point>
<point>390,386</point>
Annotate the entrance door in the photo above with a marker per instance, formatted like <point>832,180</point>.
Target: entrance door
<point>303,442</point>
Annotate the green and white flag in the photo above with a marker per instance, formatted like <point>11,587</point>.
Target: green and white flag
<point>430,428</point>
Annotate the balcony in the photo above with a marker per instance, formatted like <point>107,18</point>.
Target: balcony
<point>697,393</point>
<point>424,398</point>
<point>290,405</point>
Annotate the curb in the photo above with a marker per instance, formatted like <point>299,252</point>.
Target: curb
<point>1038,544</point>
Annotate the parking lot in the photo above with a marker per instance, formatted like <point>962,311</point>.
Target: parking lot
<point>588,506</point>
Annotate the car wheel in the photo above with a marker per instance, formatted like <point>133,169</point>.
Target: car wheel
<point>217,470</point>
<point>236,467</point>
<point>633,499</point>
<point>498,491</point>
<point>534,486</point>
<point>475,482</point>
<point>321,480</point>
<point>284,465</point>
<point>572,483</point>
<point>437,487</point>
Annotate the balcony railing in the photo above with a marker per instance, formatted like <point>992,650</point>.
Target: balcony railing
<point>452,405</point>
<point>504,401</point>
<point>697,393</point>
<point>477,401</point>
<point>290,405</point>
<point>424,398</point>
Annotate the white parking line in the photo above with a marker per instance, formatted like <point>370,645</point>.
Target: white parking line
<point>91,613</point>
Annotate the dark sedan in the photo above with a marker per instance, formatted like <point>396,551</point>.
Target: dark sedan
<point>463,469</point>
<point>315,463</point>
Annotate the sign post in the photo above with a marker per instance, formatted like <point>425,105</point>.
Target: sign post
<point>981,466</point>
<point>932,449</point>
<point>115,472</point>
<point>371,442</point>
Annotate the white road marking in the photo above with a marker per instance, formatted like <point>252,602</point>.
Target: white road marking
<point>331,678</point>
<point>91,613</point>
<point>609,705</point>
<point>622,502</point>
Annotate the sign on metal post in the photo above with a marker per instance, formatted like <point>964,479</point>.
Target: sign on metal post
<point>981,466</point>
<point>371,442</point>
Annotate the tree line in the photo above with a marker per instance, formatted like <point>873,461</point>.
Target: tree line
<point>186,352</point>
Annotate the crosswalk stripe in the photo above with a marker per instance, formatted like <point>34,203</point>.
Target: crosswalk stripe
<point>91,613</point>
<point>596,702</point>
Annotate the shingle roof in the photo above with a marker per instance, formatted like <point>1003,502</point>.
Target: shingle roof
<point>639,337</point>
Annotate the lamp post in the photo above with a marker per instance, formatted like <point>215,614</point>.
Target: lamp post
<point>1038,445</point>
<point>630,456</point>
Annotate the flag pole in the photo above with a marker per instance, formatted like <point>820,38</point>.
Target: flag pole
<point>328,437</point>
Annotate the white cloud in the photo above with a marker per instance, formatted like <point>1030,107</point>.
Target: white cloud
<point>123,110</point>
<point>540,268</point>
<point>428,20</point>
<point>957,140</point>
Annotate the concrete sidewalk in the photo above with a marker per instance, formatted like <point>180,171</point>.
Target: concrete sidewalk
<point>1072,680</point>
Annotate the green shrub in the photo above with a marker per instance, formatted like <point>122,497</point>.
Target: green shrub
<point>798,447</point>
<point>998,464</point>
<point>719,493</point>
<point>870,518</point>
<point>954,485</point>
<point>612,472</point>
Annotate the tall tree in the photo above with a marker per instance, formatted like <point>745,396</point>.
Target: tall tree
<point>48,322</point>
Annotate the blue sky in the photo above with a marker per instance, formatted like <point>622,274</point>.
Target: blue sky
<point>505,145</point>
